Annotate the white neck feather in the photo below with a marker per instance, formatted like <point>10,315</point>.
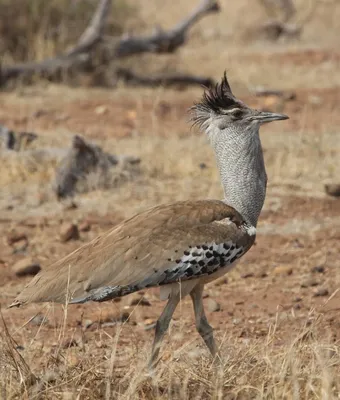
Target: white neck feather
<point>240,161</point>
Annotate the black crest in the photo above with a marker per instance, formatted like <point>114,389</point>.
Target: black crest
<point>215,99</point>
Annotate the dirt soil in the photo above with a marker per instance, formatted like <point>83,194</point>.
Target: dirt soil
<point>287,281</point>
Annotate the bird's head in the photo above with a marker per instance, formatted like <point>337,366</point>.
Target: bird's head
<point>220,110</point>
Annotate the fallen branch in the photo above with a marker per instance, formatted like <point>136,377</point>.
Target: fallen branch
<point>77,57</point>
<point>165,41</point>
<point>80,56</point>
<point>131,78</point>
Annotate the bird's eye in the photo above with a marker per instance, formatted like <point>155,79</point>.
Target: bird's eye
<point>237,114</point>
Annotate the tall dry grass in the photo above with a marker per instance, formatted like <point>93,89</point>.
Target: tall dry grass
<point>305,367</point>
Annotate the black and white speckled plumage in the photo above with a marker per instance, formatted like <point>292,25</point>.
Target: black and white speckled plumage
<point>196,262</point>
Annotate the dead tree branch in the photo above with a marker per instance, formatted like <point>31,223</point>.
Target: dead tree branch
<point>80,56</point>
<point>165,41</point>
<point>131,78</point>
<point>77,57</point>
<point>94,31</point>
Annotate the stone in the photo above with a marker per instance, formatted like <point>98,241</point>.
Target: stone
<point>72,359</point>
<point>321,292</point>
<point>213,305</point>
<point>320,269</point>
<point>283,270</point>
<point>84,227</point>
<point>87,323</point>
<point>309,282</point>
<point>26,266</point>
<point>333,190</point>
<point>149,324</point>
<point>68,232</point>
<point>14,237</point>
<point>247,275</point>
<point>39,320</point>
<point>100,110</point>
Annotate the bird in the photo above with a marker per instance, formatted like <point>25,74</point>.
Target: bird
<point>180,246</point>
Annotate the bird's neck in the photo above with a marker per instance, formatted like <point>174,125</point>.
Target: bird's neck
<point>242,171</point>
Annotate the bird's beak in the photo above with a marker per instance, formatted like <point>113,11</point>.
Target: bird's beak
<point>265,116</point>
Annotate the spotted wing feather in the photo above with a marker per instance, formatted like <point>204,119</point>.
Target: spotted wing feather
<point>147,250</point>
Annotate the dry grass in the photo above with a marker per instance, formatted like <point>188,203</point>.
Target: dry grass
<point>290,354</point>
<point>305,367</point>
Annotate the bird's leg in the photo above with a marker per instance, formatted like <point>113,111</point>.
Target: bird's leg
<point>162,326</point>
<point>202,325</point>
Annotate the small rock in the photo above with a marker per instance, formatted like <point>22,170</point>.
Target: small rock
<point>213,306</point>
<point>309,282</point>
<point>333,190</point>
<point>39,320</point>
<point>26,266</point>
<point>283,270</point>
<point>297,299</point>
<point>321,292</point>
<point>138,300</point>
<point>149,324</point>
<point>236,321</point>
<point>69,232</point>
<point>14,237</point>
<point>203,165</point>
<point>205,295</point>
<point>87,323</point>
<point>100,110</point>
<point>319,269</point>
<point>20,247</point>
<point>247,275</point>
<point>313,99</point>
<point>84,227</point>
<point>297,306</point>
<point>72,359</point>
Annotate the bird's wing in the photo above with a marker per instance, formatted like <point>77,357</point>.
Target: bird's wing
<point>165,244</point>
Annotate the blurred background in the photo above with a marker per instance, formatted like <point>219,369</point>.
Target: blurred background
<point>94,128</point>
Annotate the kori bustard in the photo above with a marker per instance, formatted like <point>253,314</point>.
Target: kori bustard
<point>179,246</point>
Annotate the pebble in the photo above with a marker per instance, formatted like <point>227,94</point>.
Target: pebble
<point>14,237</point>
<point>26,266</point>
<point>84,227</point>
<point>333,190</point>
<point>69,232</point>
<point>262,274</point>
<point>213,305</point>
<point>149,324</point>
<point>247,275</point>
<point>283,270</point>
<point>72,359</point>
<point>321,292</point>
<point>309,283</point>
<point>100,110</point>
<point>319,269</point>
<point>87,323</point>
<point>39,320</point>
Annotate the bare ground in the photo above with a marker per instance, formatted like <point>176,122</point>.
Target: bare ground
<point>277,317</point>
